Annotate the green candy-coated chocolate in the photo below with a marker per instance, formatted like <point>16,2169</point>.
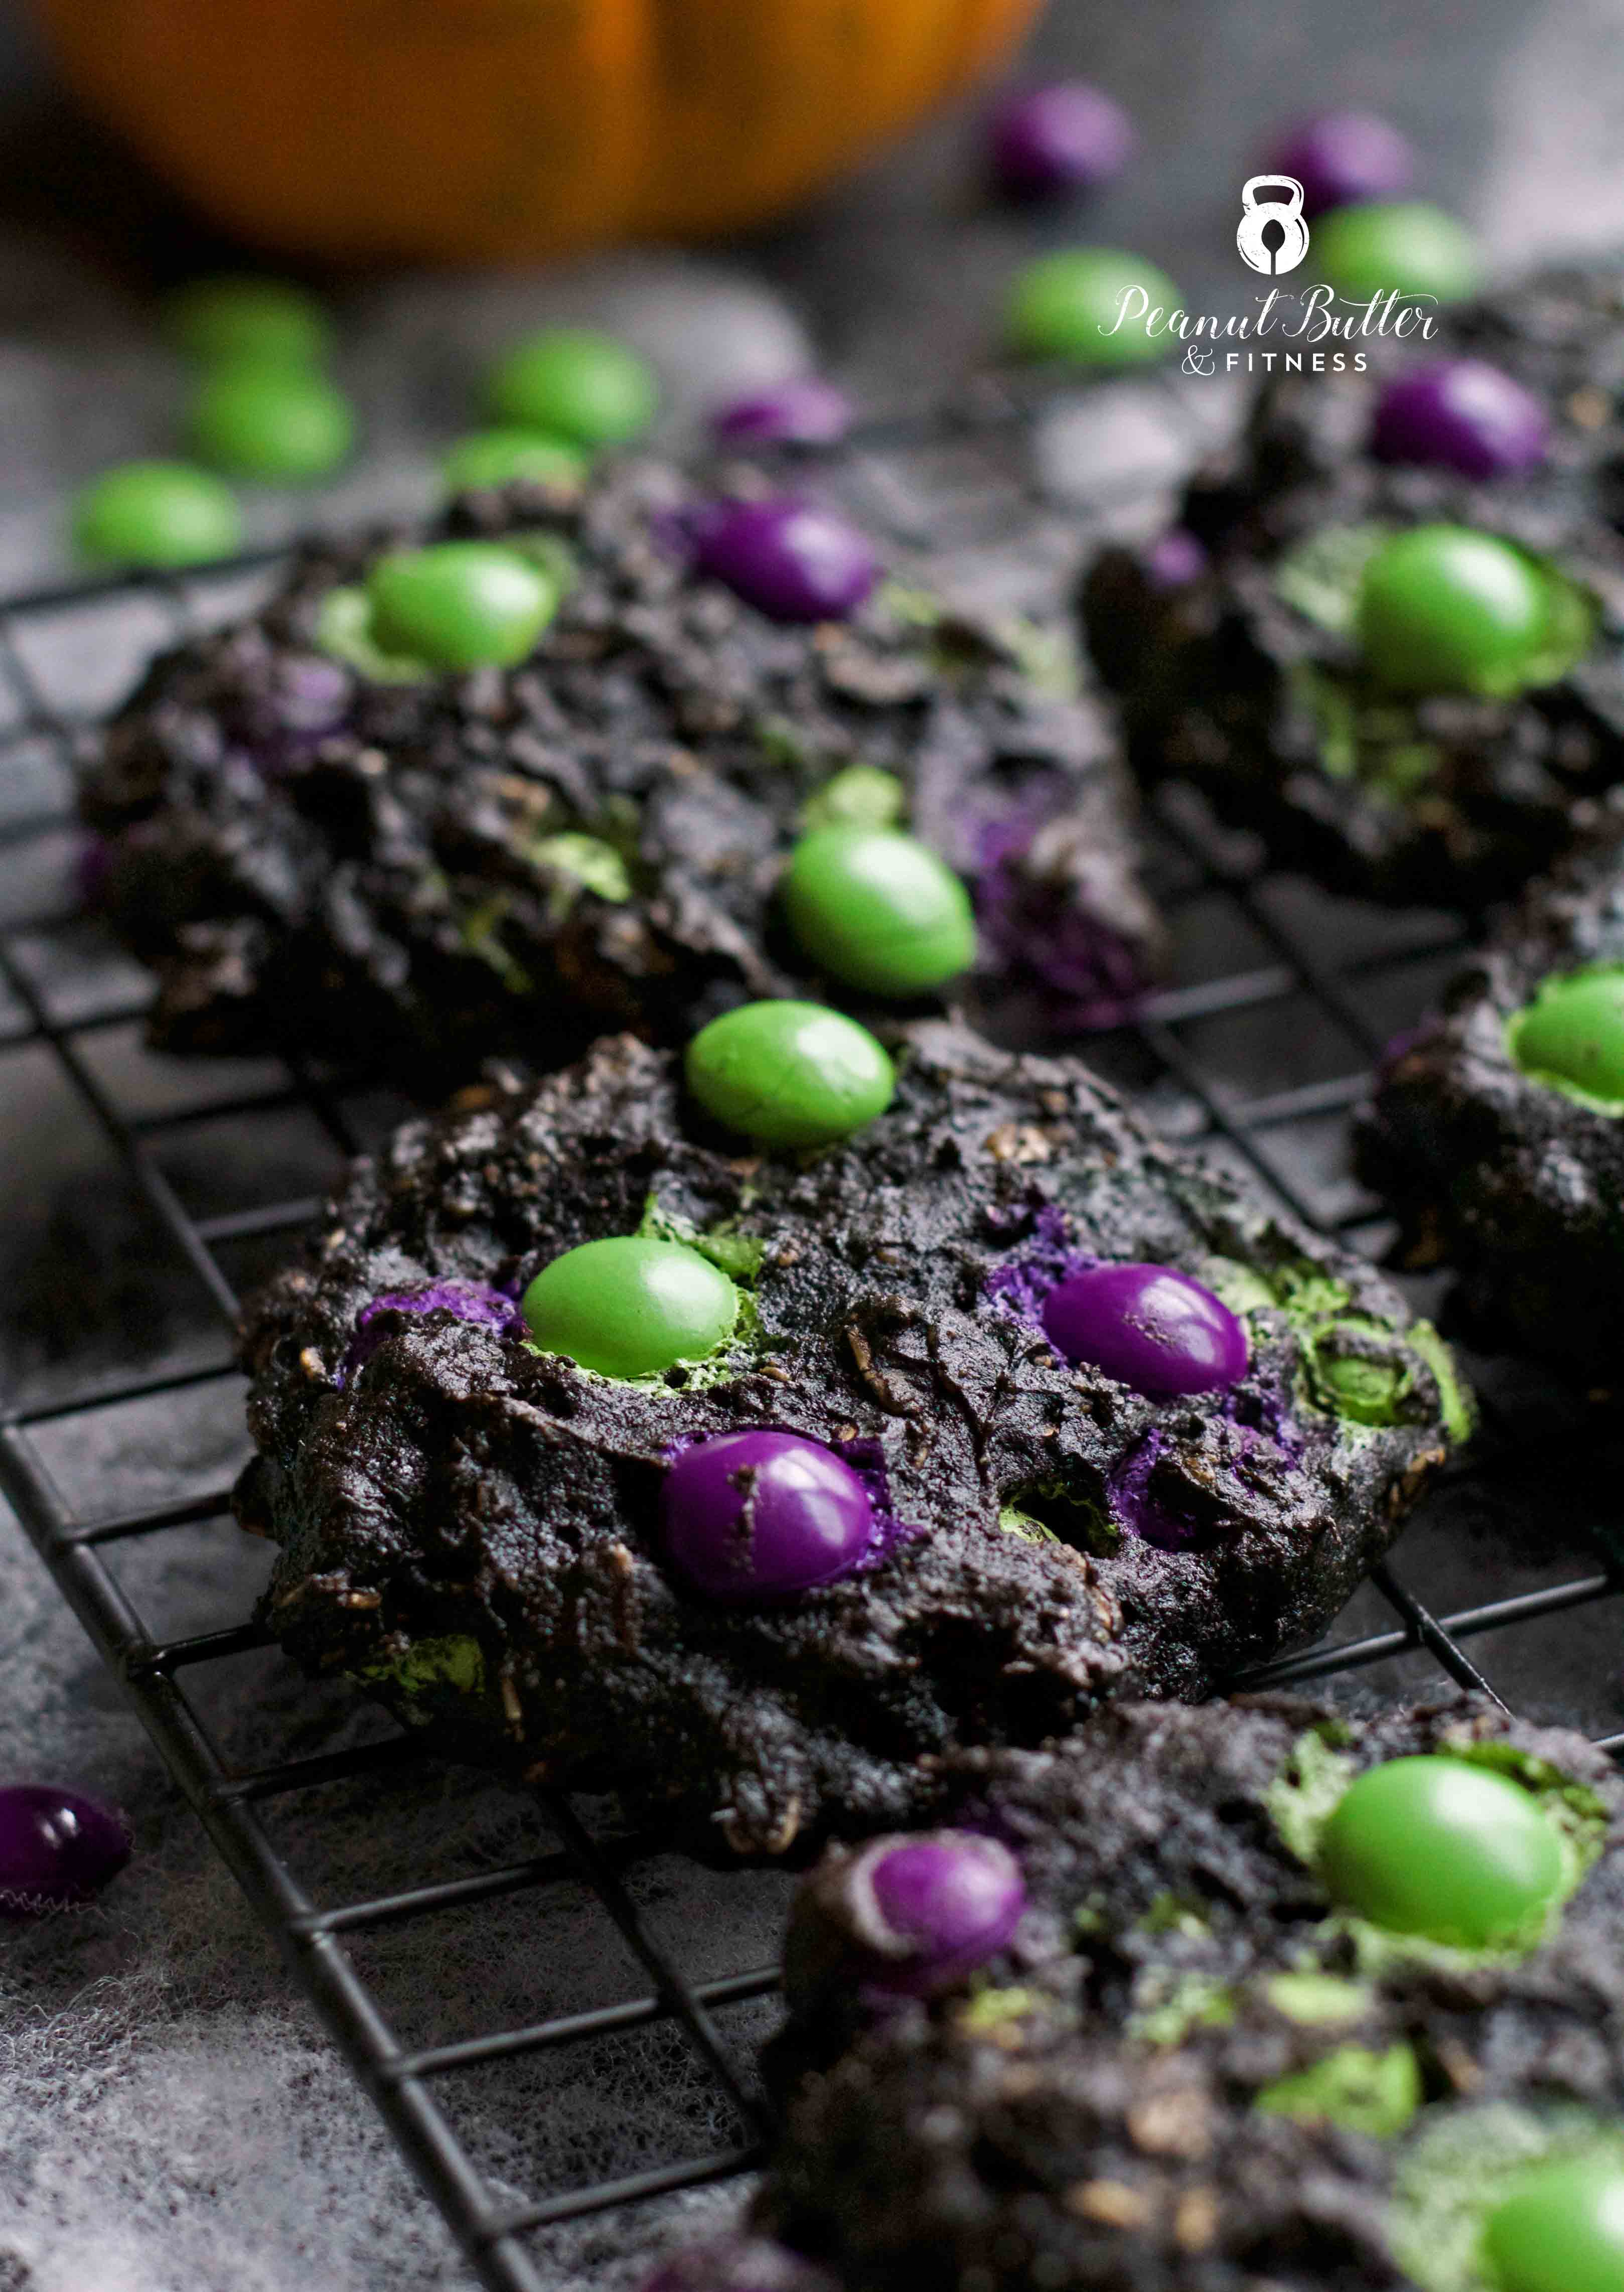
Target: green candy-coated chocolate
<point>1437,1847</point>
<point>1571,1037</point>
<point>1443,608</point>
<point>1070,305</point>
<point>878,909</point>
<point>283,423</point>
<point>261,319</point>
<point>631,1306</point>
<point>1560,2230</point>
<point>1379,245</point>
<point>789,1074</point>
<point>511,457</point>
<point>575,384</point>
<point>460,604</point>
<point>156,513</point>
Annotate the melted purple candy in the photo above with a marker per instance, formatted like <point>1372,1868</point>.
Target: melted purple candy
<point>57,1848</point>
<point>805,411</point>
<point>955,1897</point>
<point>1088,972</point>
<point>763,1515</point>
<point>469,1300</point>
<point>1066,137</point>
<point>790,558</point>
<point>1345,156</point>
<point>1462,414</point>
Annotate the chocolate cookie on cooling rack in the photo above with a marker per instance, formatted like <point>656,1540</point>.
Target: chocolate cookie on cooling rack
<point>615,763</point>
<point>1496,1132</point>
<point>740,1431</point>
<point>1207,1999</point>
<point>1401,676</point>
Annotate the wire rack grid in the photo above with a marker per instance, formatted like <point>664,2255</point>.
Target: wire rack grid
<point>1263,966</point>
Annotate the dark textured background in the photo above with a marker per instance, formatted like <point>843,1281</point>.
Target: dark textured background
<point>170,2121</point>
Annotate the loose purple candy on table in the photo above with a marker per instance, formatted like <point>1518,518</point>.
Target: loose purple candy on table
<point>1462,414</point>
<point>791,560</point>
<point>761,1516</point>
<point>1066,137</point>
<point>469,1300</point>
<point>57,1847</point>
<point>804,411</point>
<point>1148,1327</point>
<point>1346,157</point>
<point>953,1898</point>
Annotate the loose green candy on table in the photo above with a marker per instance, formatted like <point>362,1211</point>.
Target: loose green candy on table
<point>575,384</point>
<point>1379,245</point>
<point>157,514</point>
<point>1437,1847</point>
<point>1443,608</point>
<point>1067,306</point>
<point>281,424</point>
<point>460,604</point>
<point>263,320</point>
<point>1571,1035</point>
<point>878,909</point>
<point>630,1305</point>
<point>509,457</point>
<point>1560,2230</point>
<point>789,1074</point>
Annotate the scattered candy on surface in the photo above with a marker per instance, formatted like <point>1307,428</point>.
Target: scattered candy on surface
<point>460,604</point>
<point>878,909</point>
<point>1561,2229</point>
<point>1345,157</point>
<point>1437,1847</point>
<point>280,423</point>
<point>57,1847</point>
<point>1461,415</point>
<point>1571,1038</point>
<point>631,1305</point>
<point>763,1514</point>
<point>1407,248</point>
<point>575,384</point>
<point>1443,608</point>
<point>1148,1327</point>
<point>791,560</point>
<point>491,458</point>
<point>1069,136</point>
<point>157,514</point>
<point>953,1897</point>
<point>1080,304</point>
<point>788,1073</point>
<point>215,320</point>
<point>803,411</point>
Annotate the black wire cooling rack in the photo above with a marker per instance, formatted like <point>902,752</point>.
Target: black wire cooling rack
<point>1270,968</point>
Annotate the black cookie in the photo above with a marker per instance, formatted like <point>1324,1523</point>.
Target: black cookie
<point>470,1527</point>
<point>1245,680</point>
<point>1514,1182</point>
<point>1185,2074</point>
<point>413,874</point>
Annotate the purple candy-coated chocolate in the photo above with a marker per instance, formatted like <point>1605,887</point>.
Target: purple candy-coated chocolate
<point>761,1516</point>
<point>1174,559</point>
<point>1148,1326</point>
<point>57,1847</point>
<point>1065,137</point>
<point>739,2264</point>
<point>789,558</point>
<point>804,411</point>
<point>1344,156</point>
<point>955,1897</point>
<point>469,1300</point>
<point>1464,415</point>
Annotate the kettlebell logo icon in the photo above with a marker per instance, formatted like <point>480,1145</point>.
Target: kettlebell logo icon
<point>1272,236</point>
